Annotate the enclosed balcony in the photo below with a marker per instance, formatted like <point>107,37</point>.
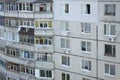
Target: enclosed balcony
<point>43,28</point>
<point>44,44</point>
<point>27,38</point>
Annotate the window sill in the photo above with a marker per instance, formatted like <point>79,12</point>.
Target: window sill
<point>65,66</point>
<point>109,36</point>
<point>85,70</point>
<point>83,33</point>
<point>110,75</point>
<point>85,52</point>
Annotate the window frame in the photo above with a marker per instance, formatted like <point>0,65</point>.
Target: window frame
<point>85,9</point>
<point>46,74</point>
<point>65,76</point>
<point>65,60</point>
<point>87,48</point>
<point>112,51</point>
<point>109,71</point>
<point>108,30</point>
<point>108,10</point>
<point>65,43</point>
<point>87,66</point>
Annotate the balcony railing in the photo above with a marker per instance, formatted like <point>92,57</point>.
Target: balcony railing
<point>45,64</point>
<point>43,31</point>
<point>44,48</point>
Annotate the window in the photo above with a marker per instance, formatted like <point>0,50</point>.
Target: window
<point>27,23</point>
<point>65,43</point>
<point>13,52</point>
<point>11,22</point>
<point>13,67</point>
<point>12,36</point>
<point>110,69</point>
<point>44,57</point>
<point>11,7</point>
<point>43,24</point>
<point>110,9</point>
<point>44,40</point>
<point>65,8</point>
<point>110,50</point>
<point>65,76</point>
<point>86,46</point>
<point>43,7</point>
<point>85,79</point>
<point>86,27</point>
<point>25,7</point>
<point>46,73</point>
<point>30,70</point>
<point>27,54</point>
<point>2,34</point>
<point>86,65</point>
<point>109,29</point>
<point>86,9</point>
<point>64,26</point>
<point>27,39</point>
<point>1,6</point>
<point>65,60</point>
<point>2,63</point>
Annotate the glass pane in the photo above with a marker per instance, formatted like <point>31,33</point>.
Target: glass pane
<point>112,70</point>
<point>62,43</point>
<point>83,46</point>
<point>107,68</point>
<point>42,73</point>
<point>88,46</point>
<point>67,43</point>
<point>63,76</point>
<point>112,29</point>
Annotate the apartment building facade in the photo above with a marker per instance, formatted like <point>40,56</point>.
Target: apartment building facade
<point>87,39</point>
<point>59,39</point>
<point>26,40</point>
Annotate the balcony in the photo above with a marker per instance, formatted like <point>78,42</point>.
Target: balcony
<point>11,13</point>
<point>12,59</point>
<point>17,75</point>
<point>44,48</point>
<point>27,62</point>
<point>18,45</point>
<point>44,32</point>
<point>45,64</point>
<point>43,15</point>
<point>26,15</point>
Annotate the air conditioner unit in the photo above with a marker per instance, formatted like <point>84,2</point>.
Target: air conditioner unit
<point>112,39</point>
<point>67,51</point>
<point>65,33</point>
